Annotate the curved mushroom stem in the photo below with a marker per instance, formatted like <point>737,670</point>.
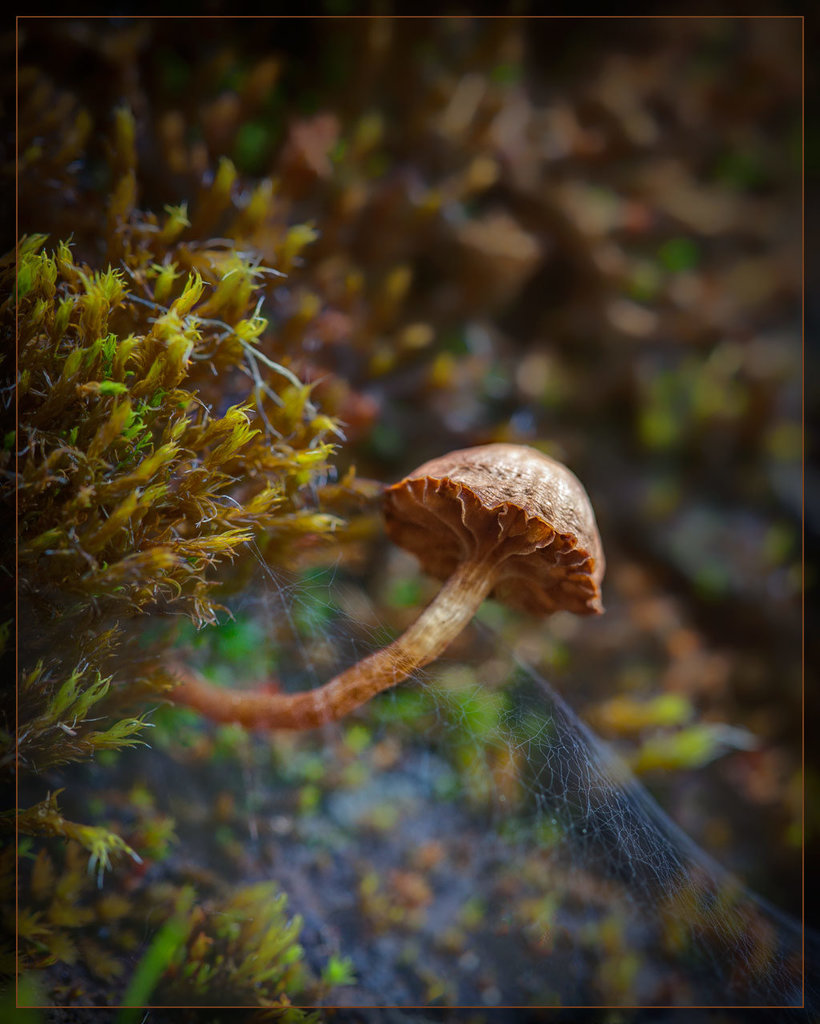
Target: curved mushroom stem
<point>440,623</point>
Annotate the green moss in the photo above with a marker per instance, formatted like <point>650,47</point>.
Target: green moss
<point>252,146</point>
<point>338,971</point>
<point>679,254</point>
<point>407,705</point>
<point>140,491</point>
<point>506,74</point>
<point>164,948</point>
<point>405,593</point>
<point>741,169</point>
<point>311,612</point>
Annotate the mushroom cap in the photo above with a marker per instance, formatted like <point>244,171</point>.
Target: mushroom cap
<point>511,505</point>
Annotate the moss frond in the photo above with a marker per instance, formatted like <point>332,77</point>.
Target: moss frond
<point>245,952</point>
<point>46,819</point>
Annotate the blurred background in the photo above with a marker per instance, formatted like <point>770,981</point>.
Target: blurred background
<point>581,235</point>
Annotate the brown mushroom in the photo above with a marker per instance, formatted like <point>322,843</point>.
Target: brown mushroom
<point>499,519</point>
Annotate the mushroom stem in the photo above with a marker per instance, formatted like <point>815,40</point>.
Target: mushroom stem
<point>440,622</point>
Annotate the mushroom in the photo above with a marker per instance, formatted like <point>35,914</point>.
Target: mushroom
<point>499,520</point>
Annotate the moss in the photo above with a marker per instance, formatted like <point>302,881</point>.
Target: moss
<point>233,948</point>
<point>157,439</point>
<point>240,951</point>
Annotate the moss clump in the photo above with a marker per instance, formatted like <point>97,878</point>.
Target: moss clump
<point>238,947</point>
<point>157,438</point>
<point>133,487</point>
<point>240,950</point>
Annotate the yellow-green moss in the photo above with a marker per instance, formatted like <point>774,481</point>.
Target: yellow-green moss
<point>156,440</point>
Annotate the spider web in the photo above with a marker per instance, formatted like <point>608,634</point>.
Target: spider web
<point>739,948</point>
<point>620,887</point>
